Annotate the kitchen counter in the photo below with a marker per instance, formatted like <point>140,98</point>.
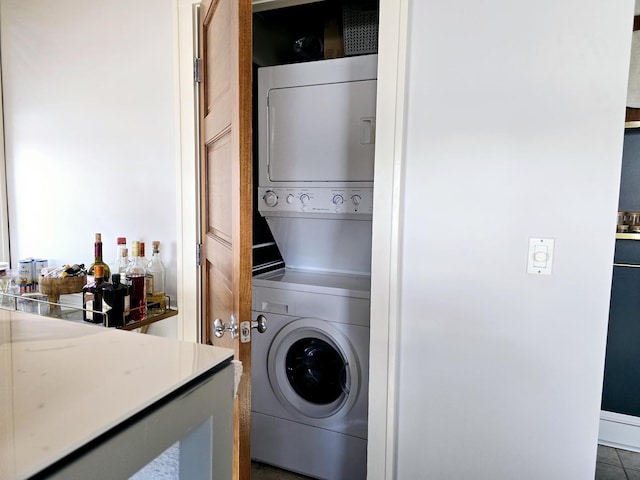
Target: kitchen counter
<point>83,402</point>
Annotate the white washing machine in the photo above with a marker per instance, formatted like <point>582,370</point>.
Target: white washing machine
<point>310,373</point>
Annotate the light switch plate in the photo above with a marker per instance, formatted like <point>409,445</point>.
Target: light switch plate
<point>540,256</point>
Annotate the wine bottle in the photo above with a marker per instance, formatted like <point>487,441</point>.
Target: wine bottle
<point>97,248</point>
<point>116,302</point>
<point>92,297</point>
<point>136,282</point>
<point>156,301</point>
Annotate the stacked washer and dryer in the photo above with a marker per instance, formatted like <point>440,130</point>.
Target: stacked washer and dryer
<point>310,369</point>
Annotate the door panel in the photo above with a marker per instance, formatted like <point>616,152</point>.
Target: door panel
<point>219,178</point>
<point>226,192</point>
<point>218,32</point>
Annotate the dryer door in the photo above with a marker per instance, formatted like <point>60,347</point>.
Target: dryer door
<point>321,133</point>
<point>313,369</point>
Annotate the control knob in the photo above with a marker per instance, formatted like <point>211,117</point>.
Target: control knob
<point>356,199</point>
<point>338,199</point>
<point>290,198</point>
<point>270,198</point>
<point>304,198</point>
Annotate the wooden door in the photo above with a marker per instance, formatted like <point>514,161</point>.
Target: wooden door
<point>225,106</point>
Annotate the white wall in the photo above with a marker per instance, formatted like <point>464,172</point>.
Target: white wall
<point>90,99</point>
<point>513,130</point>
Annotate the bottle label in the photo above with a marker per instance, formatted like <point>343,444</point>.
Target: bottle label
<point>127,305</point>
<point>106,306</point>
<point>157,302</point>
<point>88,305</point>
<point>148,284</point>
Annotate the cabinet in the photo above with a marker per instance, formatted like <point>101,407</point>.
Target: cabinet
<point>621,385</point>
<point>81,402</point>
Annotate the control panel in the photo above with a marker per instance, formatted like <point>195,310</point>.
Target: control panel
<point>315,201</point>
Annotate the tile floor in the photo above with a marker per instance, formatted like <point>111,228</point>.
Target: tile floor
<point>165,467</point>
<point>612,464</point>
<point>616,464</point>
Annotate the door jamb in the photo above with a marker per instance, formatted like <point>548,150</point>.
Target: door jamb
<point>386,239</point>
<point>186,175</point>
<point>5,253</point>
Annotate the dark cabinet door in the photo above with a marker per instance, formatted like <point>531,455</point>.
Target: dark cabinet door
<point>621,388</point>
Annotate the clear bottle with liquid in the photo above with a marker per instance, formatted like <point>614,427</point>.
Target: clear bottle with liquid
<point>121,244</point>
<point>156,301</point>
<point>144,261</point>
<point>136,276</point>
<point>122,263</point>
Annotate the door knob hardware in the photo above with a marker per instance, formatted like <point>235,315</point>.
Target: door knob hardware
<point>260,324</point>
<point>219,327</point>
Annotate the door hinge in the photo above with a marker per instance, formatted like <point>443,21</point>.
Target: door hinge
<point>199,254</point>
<point>197,70</point>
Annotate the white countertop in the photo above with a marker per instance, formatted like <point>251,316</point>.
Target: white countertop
<point>63,384</point>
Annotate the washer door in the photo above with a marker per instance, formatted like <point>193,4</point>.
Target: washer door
<point>313,369</point>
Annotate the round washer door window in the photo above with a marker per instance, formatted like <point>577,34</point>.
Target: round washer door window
<point>316,371</point>
<point>313,370</point>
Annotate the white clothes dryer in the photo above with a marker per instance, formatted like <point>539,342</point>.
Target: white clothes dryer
<point>310,373</point>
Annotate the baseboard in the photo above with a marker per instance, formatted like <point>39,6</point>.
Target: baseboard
<point>619,431</point>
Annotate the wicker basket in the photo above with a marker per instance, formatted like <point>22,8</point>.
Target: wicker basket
<point>53,287</point>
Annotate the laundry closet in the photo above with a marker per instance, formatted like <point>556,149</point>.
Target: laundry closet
<point>315,78</point>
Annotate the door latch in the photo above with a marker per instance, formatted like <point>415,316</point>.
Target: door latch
<point>259,324</point>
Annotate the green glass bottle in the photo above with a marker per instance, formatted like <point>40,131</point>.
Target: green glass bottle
<point>97,252</point>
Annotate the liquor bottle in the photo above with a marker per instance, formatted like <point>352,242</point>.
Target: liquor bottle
<point>121,244</point>
<point>136,282</point>
<point>116,302</point>
<point>73,270</point>
<point>97,248</point>
<point>144,261</point>
<point>92,297</point>
<point>122,263</point>
<point>156,302</point>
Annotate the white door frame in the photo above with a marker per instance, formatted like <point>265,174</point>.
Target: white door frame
<point>5,254</point>
<point>385,288</point>
<point>386,238</point>
<point>186,175</point>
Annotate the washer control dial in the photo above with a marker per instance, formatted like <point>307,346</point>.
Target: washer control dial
<point>338,199</point>
<point>304,198</point>
<point>290,198</point>
<point>356,199</point>
<point>270,198</point>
